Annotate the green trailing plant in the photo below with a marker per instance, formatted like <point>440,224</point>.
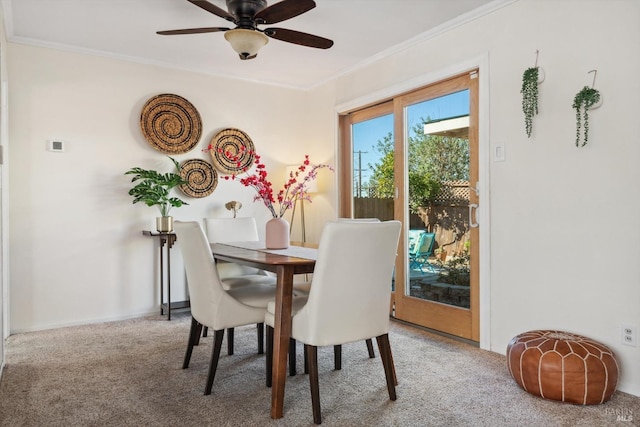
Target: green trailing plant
<point>529,97</point>
<point>153,188</point>
<point>585,99</point>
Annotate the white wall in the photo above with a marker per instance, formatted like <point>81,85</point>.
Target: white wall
<point>564,238</point>
<point>78,255</point>
<point>556,211</point>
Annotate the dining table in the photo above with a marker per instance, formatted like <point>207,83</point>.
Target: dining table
<point>298,258</point>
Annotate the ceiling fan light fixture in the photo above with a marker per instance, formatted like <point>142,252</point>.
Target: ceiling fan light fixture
<point>246,42</point>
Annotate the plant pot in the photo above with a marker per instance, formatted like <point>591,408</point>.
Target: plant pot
<point>164,224</point>
<point>277,233</point>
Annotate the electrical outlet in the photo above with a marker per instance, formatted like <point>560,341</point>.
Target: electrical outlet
<point>629,335</point>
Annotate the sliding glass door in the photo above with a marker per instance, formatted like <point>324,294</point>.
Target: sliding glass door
<point>414,158</point>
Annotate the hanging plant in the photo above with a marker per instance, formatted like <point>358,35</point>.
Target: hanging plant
<point>529,97</point>
<point>585,99</point>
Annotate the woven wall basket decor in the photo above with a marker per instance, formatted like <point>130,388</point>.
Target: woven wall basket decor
<point>228,145</point>
<point>201,178</point>
<point>171,124</point>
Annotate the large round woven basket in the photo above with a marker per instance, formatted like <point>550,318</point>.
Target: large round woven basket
<point>232,151</point>
<point>171,124</point>
<point>201,178</point>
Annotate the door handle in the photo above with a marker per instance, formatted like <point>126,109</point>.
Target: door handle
<point>472,207</point>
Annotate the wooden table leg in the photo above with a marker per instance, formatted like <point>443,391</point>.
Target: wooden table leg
<point>281,335</point>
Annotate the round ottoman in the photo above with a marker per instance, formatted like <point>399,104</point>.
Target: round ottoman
<point>563,366</point>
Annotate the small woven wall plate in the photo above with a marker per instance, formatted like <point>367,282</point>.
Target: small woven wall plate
<point>171,124</point>
<point>201,178</point>
<point>229,144</point>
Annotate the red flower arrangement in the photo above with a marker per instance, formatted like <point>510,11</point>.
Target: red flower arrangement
<point>295,188</point>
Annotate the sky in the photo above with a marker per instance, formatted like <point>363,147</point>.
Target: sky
<point>367,134</point>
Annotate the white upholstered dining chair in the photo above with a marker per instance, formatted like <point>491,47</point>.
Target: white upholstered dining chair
<point>225,230</point>
<point>302,289</point>
<point>349,296</point>
<point>211,305</point>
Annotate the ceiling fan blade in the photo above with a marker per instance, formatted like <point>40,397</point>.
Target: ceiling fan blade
<point>212,8</point>
<point>298,37</point>
<point>192,31</point>
<point>283,10</point>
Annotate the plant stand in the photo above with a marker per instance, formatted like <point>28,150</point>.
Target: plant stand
<point>167,239</point>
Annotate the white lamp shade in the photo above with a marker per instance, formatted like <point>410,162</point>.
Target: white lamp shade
<point>246,42</point>
<point>312,185</point>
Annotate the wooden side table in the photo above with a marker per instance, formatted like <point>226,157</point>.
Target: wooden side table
<point>167,239</point>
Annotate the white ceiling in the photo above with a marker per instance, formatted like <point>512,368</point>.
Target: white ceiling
<point>362,30</point>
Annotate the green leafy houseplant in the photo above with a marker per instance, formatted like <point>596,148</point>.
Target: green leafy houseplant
<point>529,97</point>
<point>153,188</point>
<point>585,99</point>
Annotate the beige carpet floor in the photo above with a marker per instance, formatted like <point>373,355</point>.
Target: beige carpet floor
<point>128,373</point>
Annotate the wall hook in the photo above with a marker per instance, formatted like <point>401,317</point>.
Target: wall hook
<point>595,72</point>
<point>540,70</point>
<point>593,83</point>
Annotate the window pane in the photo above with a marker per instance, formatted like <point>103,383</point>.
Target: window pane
<point>373,168</point>
<point>438,174</point>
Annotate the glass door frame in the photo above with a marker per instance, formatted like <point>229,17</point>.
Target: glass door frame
<point>452,320</point>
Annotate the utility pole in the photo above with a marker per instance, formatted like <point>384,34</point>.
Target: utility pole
<point>359,170</point>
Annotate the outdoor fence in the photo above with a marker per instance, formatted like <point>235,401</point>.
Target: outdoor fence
<point>448,216</point>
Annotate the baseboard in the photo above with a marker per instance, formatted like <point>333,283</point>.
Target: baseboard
<point>85,322</point>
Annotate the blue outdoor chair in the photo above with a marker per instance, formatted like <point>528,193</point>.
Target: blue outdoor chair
<point>421,251</point>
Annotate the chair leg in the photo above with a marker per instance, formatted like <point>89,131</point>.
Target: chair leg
<point>269,357</point>
<point>260,338</point>
<point>387,363</point>
<point>312,354</point>
<point>292,357</point>
<point>372,354</point>
<point>204,332</point>
<point>393,365</point>
<point>230,341</point>
<point>337,357</point>
<point>215,355</point>
<point>194,335</point>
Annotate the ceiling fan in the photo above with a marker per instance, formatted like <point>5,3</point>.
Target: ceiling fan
<point>246,38</point>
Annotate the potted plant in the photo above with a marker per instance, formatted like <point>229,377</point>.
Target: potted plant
<point>153,189</point>
<point>583,101</point>
<point>441,254</point>
<point>529,97</point>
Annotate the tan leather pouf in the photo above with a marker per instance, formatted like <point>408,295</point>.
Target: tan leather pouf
<point>563,366</point>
